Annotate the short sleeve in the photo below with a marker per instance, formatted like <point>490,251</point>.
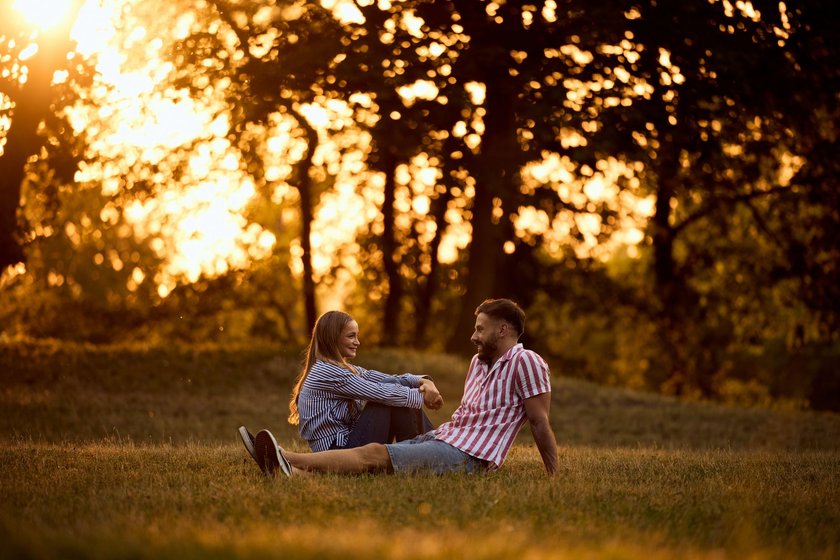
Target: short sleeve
<point>531,374</point>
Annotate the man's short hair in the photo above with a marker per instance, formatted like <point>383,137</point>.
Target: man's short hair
<point>504,310</point>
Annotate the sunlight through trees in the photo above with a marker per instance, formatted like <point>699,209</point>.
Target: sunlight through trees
<point>654,181</point>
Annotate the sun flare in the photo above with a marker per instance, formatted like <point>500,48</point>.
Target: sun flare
<point>196,224</point>
<point>43,14</point>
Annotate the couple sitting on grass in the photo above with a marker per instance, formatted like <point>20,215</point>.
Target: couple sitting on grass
<point>359,420</point>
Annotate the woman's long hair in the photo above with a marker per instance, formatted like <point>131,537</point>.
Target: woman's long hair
<point>323,345</point>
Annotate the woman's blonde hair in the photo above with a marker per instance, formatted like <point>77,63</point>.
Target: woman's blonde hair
<point>324,346</point>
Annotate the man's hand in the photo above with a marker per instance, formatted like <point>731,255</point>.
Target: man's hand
<point>431,396</point>
<point>536,408</point>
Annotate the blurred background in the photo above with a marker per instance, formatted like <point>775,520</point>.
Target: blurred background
<point>656,183</point>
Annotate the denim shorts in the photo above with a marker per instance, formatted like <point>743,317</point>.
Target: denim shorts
<point>425,453</point>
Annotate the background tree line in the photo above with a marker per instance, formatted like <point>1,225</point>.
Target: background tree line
<point>506,149</point>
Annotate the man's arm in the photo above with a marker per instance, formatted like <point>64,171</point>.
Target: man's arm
<point>536,408</point>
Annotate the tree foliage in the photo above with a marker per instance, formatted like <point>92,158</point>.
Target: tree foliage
<point>28,63</point>
<point>654,181</point>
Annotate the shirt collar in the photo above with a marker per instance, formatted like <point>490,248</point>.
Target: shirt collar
<point>513,350</point>
<point>507,356</point>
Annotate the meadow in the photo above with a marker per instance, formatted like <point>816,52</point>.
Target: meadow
<point>115,452</point>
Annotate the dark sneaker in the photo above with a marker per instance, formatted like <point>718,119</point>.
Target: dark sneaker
<point>269,455</point>
<point>248,441</point>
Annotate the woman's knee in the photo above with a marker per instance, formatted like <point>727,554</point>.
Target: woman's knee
<point>375,412</point>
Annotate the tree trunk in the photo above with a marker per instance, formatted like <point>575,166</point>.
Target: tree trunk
<point>497,175</point>
<point>304,187</point>
<point>390,323</point>
<point>677,316</point>
<point>32,102</point>
<point>665,276</point>
<point>428,290</point>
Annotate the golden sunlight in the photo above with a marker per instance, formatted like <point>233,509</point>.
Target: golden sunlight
<point>43,14</point>
<point>197,224</point>
<point>345,10</point>
<point>582,188</point>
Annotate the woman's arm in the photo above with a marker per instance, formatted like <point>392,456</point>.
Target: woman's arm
<point>342,383</point>
<point>431,396</point>
<point>406,379</point>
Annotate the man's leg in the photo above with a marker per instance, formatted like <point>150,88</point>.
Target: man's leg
<point>373,457</point>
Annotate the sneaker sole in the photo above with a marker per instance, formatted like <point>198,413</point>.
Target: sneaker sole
<point>248,442</point>
<point>269,455</point>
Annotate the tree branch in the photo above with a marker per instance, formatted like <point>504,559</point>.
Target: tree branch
<point>720,202</point>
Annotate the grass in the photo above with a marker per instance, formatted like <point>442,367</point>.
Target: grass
<point>121,452</point>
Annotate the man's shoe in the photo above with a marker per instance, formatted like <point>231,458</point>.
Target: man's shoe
<point>269,455</point>
<point>248,441</point>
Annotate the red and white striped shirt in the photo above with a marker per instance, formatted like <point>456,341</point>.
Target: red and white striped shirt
<point>492,409</point>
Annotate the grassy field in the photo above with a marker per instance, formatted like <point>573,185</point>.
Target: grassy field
<point>131,452</point>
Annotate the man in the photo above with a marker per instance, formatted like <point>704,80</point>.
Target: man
<point>505,386</point>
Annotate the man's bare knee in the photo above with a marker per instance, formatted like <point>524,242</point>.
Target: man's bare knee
<point>375,457</point>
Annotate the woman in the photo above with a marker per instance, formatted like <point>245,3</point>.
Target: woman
<point>338,405</point>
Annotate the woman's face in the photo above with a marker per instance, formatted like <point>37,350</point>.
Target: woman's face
<point>348,342</point>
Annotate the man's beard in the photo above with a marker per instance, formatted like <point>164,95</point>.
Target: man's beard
<point>487,350</point>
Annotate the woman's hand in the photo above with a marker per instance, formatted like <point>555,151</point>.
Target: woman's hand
<point>431,396</point>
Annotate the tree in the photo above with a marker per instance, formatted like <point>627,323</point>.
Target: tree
<point>728,115</point>
<point>28,95</point>
<point>279,62</point>
<point>813,107</point>
<point>390,53</point>
<point>482,123</point>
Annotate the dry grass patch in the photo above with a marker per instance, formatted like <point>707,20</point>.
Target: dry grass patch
<point>121,452</point>
<point>112,498</point>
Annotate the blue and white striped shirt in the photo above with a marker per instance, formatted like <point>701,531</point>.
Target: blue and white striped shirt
<point>332,398</point>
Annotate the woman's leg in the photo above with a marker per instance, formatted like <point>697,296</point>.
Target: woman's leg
<point>373,426</point>
<point>381,423</point>
<point>407,423</point>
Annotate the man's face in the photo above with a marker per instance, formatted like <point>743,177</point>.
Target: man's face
<point>486,337</point>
